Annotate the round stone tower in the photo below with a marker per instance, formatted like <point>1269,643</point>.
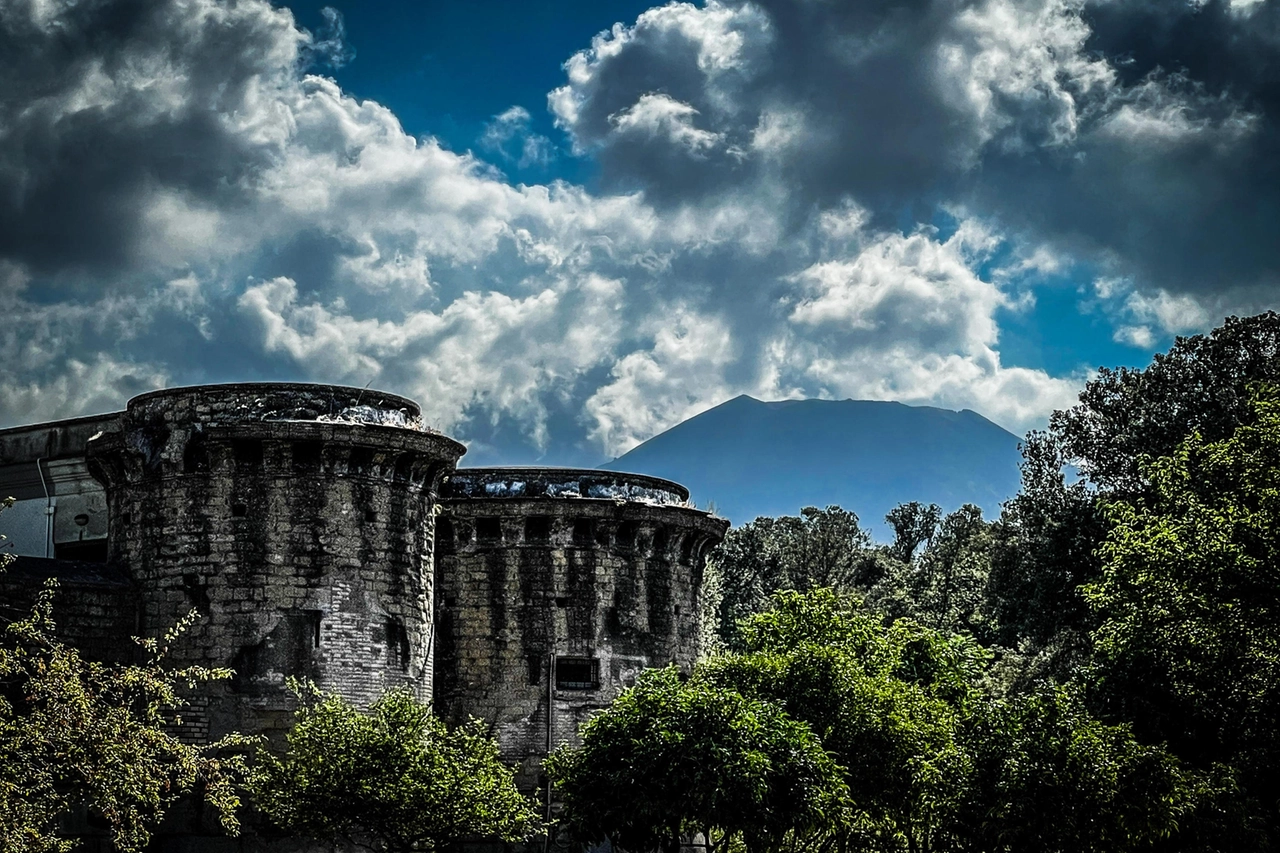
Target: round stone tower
<point>555,588</point>
<point>298,520</point>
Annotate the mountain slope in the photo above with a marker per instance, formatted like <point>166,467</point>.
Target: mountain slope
<point>753,458</point>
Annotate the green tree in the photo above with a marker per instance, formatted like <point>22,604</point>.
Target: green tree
<point>932,760</point>
<point>886,702</point>
<point>670,759</point>
<point>1188,645</point>
<point>947,585</point>
<point>1048,776</point>
<point>1043,548</point>
<point>1201,385</point>
<point>913,525</point>
<point>395,778</point>
<point>819,548</point>
<point>76,733</point>
<point>1045,545</point>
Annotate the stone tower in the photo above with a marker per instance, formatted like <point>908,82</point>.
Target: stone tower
<point>555,589</point>
<point>297,519</point>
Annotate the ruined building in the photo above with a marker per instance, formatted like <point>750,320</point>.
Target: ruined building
<point>322,532</point>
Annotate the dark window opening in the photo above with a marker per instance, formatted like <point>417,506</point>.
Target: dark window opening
<point>535,669</point>
<point>488,530</point>
<point>370,516</point>
<point>562,601</point>
<point>247,452</point>
<point>361,460</point>
<point>404,467</point>
<point>577,673</point>
<point>306,454</point>
<point>661,541</point>
<point>197,592</point>
<point>313,621</point>
<point>195,456</point>
<point>397,644</point>
<point>86,551</point>
<point>537,528</point>
<point>627,535</point>
<point>239,510</point>
<point>583,532</point>
<point>686,549</point>
<point>444,536</point>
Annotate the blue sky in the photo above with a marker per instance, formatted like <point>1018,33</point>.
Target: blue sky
<point>566,227</point>
<point>447,69</point>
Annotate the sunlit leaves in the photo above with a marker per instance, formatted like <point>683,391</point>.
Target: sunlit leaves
<point>396,776</point>
<point>77,733</point>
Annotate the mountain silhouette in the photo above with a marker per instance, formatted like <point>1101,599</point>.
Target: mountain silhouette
<point>752,458</point>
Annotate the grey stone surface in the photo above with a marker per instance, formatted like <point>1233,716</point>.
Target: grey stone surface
<point>532,577</point>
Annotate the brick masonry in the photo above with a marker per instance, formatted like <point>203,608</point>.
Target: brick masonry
<point>548,569</point>
<point>297,520</point>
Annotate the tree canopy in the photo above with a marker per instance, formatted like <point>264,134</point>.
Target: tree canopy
<point>80,734</point>
<point>926,757</point>
<point>395,778</point>
<point>672,759</point>
<point>1188,645</point>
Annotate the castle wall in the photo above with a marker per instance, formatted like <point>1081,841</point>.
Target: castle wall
<point>556,588</point>
<point>297,520</point>
<point>95,606</point>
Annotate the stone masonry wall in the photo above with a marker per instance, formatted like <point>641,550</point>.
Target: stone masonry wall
<point>530,571</point>
<point>95,607</point>
<point>297,520</point>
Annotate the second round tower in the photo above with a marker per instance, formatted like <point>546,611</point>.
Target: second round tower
<point>556,587</point>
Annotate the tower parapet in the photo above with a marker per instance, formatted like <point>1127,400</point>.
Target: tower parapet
<point>556,587</point>
<point>297,519</point>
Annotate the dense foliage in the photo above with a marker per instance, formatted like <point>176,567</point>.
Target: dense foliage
<point>79,734</point>
<point>395,778</point>
<point>1188,646</point>
<point>921,756</point>
<point>672,759</point>
<point>1094,669</point>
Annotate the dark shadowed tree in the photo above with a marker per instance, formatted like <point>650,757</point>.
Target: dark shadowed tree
<point>1200,385</point>
<point>1188,645</point>
<point>819,548</point>
<point>948,584</point>
<point>1048,776</point>
<point>1047,538</point>
<point>913,525</point>
<point>1043,548</point>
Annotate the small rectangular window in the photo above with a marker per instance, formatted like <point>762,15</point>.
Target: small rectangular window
<point>574,673</point>
<point>535,668</point>
<point>537,529</point>
<point>488,530</point>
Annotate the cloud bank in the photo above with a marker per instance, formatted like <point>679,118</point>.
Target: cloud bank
<point>795,198</point>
